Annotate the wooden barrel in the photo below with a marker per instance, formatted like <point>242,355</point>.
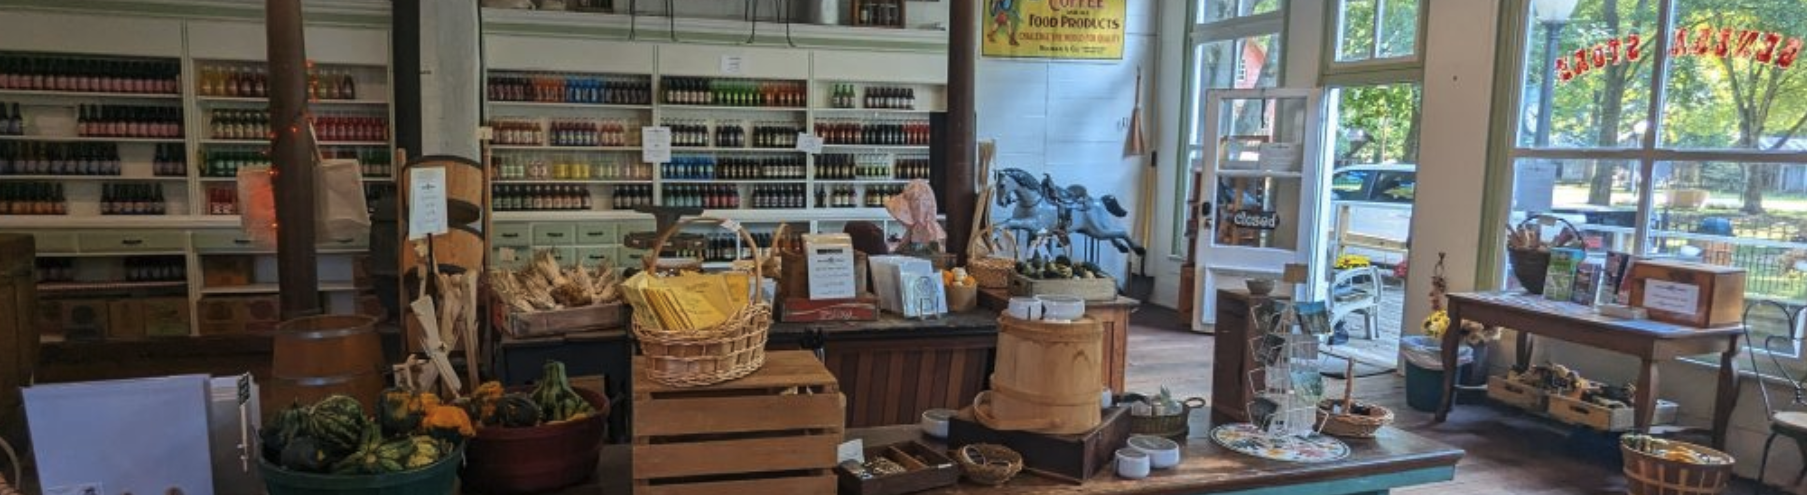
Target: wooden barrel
<point>463,185</point>
<point>1046,377</point>
<point>459,249</point>
<point>318,356</point>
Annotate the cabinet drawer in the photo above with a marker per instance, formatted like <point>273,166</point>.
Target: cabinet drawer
<point>597,234</point>
<point>630,257</point>
<point>50,242</point>
<point>590,256</point>
<point>512,234</point>
<point>222,240</point>
<point>564,255</point>
<point>354,241</point>
<point>131,240</point>
<point>554,234</point>
<point>510,257</point>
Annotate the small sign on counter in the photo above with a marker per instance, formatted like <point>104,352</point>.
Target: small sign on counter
<point>655,144</point>
<point>830,261</point>
<point>1679,298</point>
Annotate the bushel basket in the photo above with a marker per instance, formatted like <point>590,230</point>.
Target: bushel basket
<point>706,356</point>
<point>1647,474</point>
<point>1530,266</point>
<point>536,459</point>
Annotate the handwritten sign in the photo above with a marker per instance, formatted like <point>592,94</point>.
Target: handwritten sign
<point>1280,157</point>
<point>655,144</point>
<point>809,143</point>
<point>1672,297</point>
<point>733,64</point>
<point>426,202</point>
<point>1256,219</point>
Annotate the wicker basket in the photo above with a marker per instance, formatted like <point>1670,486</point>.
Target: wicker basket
<point>988,464</point>
<point>733,349</point>
<point>1350,425</point>
<point>986,260</point>
<point>1530,266</point>
<point>1646,474</point>
<point>1171,426</point>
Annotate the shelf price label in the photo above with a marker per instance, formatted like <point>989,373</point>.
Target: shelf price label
<point>809,143</point>
<point>426,202</point>
<point>733,65</point>
<point>655,144</point>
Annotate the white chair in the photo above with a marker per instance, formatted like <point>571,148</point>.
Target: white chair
<point>1357,290</point>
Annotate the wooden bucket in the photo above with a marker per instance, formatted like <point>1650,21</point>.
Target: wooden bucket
<point>1046,377</point>
<point>463,185</point>
<point>459,249</point>
<point>318,356</point>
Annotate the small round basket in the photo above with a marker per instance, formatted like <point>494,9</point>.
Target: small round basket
<point>1530,266</point>
<point>988,464</point>
<point>1647,474</point>
<point>1352,425</point>
<point>1172,426</point>
<point>988,260</point>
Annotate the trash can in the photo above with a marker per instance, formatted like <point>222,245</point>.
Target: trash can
<point>1424,370</point>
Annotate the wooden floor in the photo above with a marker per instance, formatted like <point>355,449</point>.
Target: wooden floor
<point>1508,453</point>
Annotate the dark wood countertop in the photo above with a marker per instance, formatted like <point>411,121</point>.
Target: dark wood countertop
<point>891,325</point>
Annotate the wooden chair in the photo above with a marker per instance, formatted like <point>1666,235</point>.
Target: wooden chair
<point>1788,423</point>
<point>1357,290</point>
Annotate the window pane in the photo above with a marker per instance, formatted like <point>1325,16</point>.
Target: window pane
<point>1350,185</point>
<point>1264,6</point>
<point>1252,62</point>
<point>1600,83</point>
<point>1355,30</point>
<point>1599,197</point>
<point>1399,28</point>
<point>1730,86</point>
<point>1750,216</point>
<point>1395,187</point>
<point>1216,10</point>
<point>1377,124</point>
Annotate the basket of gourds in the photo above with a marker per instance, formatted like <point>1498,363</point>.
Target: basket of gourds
<point>534,439</point>
<point>1160,415</point>
<point>1530,253</point>
<point>333,447</point>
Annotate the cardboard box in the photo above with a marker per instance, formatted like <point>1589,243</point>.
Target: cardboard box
<point>829,258</point>
<point>166,317</point>
<point>125,319</point>
<point>85,319</point>
<point>226,271</point>
<point>1692,294</point>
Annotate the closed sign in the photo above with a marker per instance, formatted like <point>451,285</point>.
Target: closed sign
<point>1256,219</point>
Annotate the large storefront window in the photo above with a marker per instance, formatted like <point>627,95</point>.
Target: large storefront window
<point>1376,29</point>
<point>1234,45</point>
<point>1722,155</point>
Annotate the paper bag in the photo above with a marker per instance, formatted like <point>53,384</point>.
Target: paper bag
<point>257,205</point>
<point>339,207</point>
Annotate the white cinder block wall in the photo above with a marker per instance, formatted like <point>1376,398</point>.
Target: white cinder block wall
<point>1068,118</point>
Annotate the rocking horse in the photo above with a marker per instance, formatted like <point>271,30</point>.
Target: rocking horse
<point>1041,208</point>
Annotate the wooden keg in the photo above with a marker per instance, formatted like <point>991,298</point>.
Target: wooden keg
<point>318,356</point>
<point>459,249</point>
<point>1046,377</point>
<point>463,185</point>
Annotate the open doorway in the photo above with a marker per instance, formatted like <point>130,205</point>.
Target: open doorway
<point>1373,184</point>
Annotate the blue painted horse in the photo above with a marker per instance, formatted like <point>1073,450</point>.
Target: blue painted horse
<point>1040,207</point>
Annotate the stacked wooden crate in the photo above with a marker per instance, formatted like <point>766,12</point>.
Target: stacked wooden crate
<point>773,432</point>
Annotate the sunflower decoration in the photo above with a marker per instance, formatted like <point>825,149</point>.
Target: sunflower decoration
<point>1349,261</point>
<point>1437,322</point>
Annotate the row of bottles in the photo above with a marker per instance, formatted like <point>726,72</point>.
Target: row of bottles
<point>155,269</point>
<point>889,97</point>
<point>540,197</point>
<point>585,132</point>
<point>710,196</point>
<point>169,161</point>
<point>909,168</point>
<point>689,133</point>
<point>880,13</point>
<point>12,120</point>
<point>89,74</point>
<point>238,124</point>
<point>760,168</point>
<point>516,132</point>
<point>33,198</point>
<point>253,81</point>
<point>877,195</point>
<point>630,197</point>
<point>568,167</point>
<point>842,196</point>
<point>570,88</point>
<point>780,196</point>
<point>689,168</point>
<point>217,163</point>
<point>42,158</point>
<point>732,92</point>
<point>695,133</point>
<point>842,166</point>
<point>222,201</point>
<point>132,199</point>
<point>128,121</point>
<point>914,132</point>
<point>372,162</point>
<point>254,125</point>
<point>56,270</point>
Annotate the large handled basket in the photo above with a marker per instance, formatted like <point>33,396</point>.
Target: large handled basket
<point>733,349</point>
<point>987,260</point>
<point>1530,266</point>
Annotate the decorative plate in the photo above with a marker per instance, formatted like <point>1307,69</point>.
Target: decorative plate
<point>1248,439</point>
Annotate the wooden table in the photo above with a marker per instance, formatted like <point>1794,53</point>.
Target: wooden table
<point>1394,459</point>
<point>1649,341</point>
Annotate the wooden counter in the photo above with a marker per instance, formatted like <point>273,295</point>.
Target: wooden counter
<point>1394,459</point>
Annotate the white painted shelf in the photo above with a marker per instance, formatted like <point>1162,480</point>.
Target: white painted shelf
<point>575,106</point>
<point>92,139</point>
<point>272,288</point>
<point>96,178</point>
<point>87,94</point>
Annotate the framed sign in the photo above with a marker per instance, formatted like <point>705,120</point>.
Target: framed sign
<point>1061,29</point>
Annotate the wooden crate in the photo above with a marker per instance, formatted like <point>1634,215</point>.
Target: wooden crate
<point>558,321</point>
<point>1717,292</point>
<point>772,432</point>
<point>1090,289</point>
<point>1068,458</point>
<point>1516,394</point>
<point>927,467</point>
<point>1598,417</point>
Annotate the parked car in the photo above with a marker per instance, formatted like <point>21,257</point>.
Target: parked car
<point>1377,200</point>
